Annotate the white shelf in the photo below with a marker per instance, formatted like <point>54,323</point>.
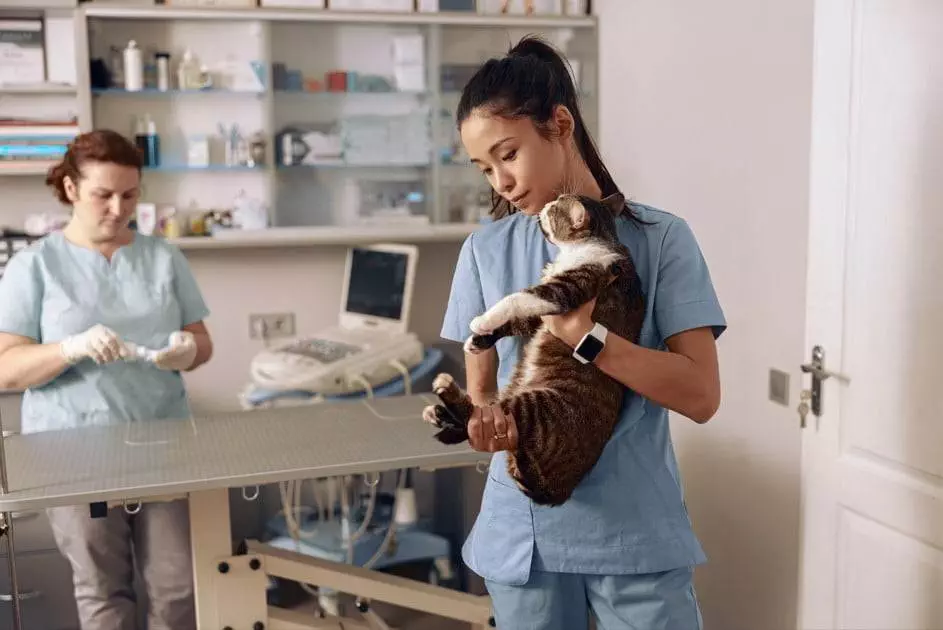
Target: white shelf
<point>316,15</point>
<point>45,88</point>
<point>37,169</point>
<point>339,235</point>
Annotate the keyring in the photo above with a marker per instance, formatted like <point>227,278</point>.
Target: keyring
<point>132,512</point>
<point>367,479</point>
<point>255,495</point>
<point>481,469</point>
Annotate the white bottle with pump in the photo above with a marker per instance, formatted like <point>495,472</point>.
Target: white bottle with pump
<point>133,68</point>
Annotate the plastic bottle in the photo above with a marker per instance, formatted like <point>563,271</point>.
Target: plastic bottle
<point>147,141</point>
<point>133,68</point>
<point>153,143</point>
<point>188,72</point>
<point>163,71</point>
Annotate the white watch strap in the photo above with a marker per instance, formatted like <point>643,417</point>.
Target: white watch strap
<point>599,332</point>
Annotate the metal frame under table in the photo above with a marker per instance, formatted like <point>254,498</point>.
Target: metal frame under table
<point>202,458</point>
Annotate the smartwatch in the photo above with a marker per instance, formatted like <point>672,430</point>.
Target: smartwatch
<point>591,344</point>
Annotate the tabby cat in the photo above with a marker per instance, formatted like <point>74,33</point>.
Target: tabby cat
<point>565,411</point>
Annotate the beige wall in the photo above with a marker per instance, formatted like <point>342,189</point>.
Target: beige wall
<point>705,112</point>
<point>304,281</point>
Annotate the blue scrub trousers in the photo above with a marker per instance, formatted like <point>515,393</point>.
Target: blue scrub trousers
<point>564,601</point>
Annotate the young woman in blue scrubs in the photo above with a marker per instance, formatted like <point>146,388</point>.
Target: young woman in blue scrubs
<point>622,548</point>
<point>68,304</point>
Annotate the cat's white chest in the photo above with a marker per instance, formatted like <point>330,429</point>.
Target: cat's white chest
<point>579,255</point>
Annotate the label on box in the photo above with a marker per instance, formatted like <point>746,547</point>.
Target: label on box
<point>21,52</point>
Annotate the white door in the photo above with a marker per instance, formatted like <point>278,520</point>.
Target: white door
<point>872,507</point>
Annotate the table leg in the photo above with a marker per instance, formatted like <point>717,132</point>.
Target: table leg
<point>210,540</point>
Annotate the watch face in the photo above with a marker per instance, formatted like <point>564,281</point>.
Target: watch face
<point>590,347</point>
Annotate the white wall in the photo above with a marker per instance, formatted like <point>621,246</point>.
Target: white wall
<point>705,112</point>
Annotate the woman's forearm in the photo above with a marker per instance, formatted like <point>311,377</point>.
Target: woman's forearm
<point>203,341</point>
<point>481,372</point>
<point>671,379</point>
<point>31,364</point>
<point>204,350</point>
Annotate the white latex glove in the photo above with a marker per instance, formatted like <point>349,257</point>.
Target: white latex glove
<point>180,353</point>
<point>99,343</point>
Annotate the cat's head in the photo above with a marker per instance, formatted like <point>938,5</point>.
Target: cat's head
<point>573,218</point>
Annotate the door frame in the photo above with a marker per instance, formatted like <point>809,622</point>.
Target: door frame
<point>836,31</point>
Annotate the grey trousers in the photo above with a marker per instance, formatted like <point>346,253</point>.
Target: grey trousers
<point>104,551</point>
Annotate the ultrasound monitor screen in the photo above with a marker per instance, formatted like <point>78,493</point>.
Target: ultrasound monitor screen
<point>377,283</point>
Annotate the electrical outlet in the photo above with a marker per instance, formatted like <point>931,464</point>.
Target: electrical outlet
<point>271,325</point>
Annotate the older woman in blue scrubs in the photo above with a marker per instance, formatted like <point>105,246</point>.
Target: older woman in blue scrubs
<point>622,548</point>
<point>69,305</point>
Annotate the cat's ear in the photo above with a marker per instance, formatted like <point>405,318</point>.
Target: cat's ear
<point>578,217</point>
<point>615,202</point>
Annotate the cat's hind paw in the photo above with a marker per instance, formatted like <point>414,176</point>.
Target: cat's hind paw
<point>453,431</point>
<point>430,415</point>
<point>445,387</point>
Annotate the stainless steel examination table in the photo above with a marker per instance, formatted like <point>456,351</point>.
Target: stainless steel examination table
<point>202,458</point>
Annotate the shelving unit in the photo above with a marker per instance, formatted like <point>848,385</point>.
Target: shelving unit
<point>337,17</point>
<point>339,235</point>
<point>24,170</point>
<point>37,90</point>
<point>315,200</point>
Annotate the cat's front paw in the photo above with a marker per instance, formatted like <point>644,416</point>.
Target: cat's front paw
<point>476,344</point>
<point>482,325</point>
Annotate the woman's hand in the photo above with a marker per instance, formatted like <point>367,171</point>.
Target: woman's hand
<point>490,430</point>
<point>571,327</point>
<point>180,354</point>
<point>99,343</point>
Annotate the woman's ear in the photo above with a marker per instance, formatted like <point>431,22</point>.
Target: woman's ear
<point>71,189</point>
<point>563,122</point>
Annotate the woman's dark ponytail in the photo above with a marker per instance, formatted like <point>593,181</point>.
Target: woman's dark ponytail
<point>531,81</point>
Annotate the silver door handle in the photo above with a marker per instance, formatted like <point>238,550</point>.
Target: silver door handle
<point>819,375</point>
<point>823,374</point>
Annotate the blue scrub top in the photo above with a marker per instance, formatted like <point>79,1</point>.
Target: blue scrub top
<point>628,515</point>
<point>54,288</point>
